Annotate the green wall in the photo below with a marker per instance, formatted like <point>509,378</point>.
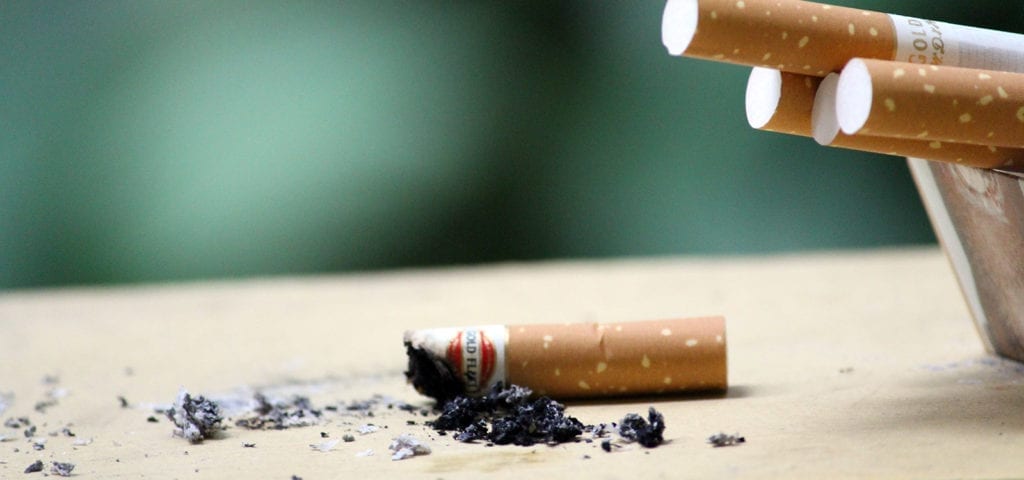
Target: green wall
<point>155,141</point>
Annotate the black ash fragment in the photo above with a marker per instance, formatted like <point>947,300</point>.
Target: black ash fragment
<point>606,445</point>
<point>248,445</point>
<point>42,405</point>
<point>17,422</point>
<point>39,444</point>
<point>296,477</point>
<point>36,466</point>
<point>648,432</point>
<point>348,438</point>
<point>508,416</point>
<point>152,419</point>
<point>30,431</point>
<point>67,432</point>
<point>195,418</point>
<point>725,440</point>
<point>123,401</point>
<point>324,435</point>
<point>62,469</point>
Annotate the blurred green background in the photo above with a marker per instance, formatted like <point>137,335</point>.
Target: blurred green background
<point>152,141</point>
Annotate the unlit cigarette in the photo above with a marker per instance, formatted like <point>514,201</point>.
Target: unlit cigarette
<point>898,99</point>
<point>816,39</point>
<point>799,105</point>
<point>571,360</point>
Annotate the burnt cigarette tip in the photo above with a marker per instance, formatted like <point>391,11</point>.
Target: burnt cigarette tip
<point>679,25</point>
<point>824,122</point>
<point>853,96</point>
<point>764,89</point>
<point>430,375</point>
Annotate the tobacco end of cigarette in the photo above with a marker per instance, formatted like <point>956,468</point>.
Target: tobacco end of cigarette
<point>853,96</point>
<point>678,25</point>
<point>430,375</point>
<point>764,89</point>
<point>824,122</point>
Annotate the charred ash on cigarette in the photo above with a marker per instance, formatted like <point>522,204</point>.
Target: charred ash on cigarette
<point>648,432</point>
<point>725,440</point>
<point>507,416</point>
<point>432,376</point>
<point>195,418</point>
<point>299,412</point>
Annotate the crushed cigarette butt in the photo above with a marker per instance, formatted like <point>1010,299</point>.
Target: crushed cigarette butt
<point>406,446</point>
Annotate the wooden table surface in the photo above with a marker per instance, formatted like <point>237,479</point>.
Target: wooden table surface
<point>841,364</point>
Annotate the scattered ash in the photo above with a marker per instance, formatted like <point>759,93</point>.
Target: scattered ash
<point>507,416</point>
<point>30,431</point>
<point>648,432</point>
<point>298,412</point>
<point>17,422</point>
<point>725,440</point>
<point>296,477</point>
<point>62,469</point>
<point>36,466</point>
<point>432,376</point>
<point>325,446</point>
<point>66,431</point>
<point>406,446</point>
<point>348,438</point>
<point>81,442</point>
<point>38,444</point>
<point>195,418</point>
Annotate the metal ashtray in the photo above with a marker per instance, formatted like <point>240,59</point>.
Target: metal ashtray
<point>978,216</point>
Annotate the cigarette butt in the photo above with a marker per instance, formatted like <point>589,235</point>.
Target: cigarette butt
<point>572,360</point>
<point>816,39</point>
<point>803,105</point>
<point>937,103</point>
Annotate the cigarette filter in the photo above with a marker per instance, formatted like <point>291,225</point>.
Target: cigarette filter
<point>571,360</point>
<point>817,39</point>
<point>905,100</point>
<point>799,105</point>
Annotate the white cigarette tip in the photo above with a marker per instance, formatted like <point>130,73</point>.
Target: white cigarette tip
<point>764,89</point>
<point>678,25</point>
<point>824,124</point>
<point>853,96</point>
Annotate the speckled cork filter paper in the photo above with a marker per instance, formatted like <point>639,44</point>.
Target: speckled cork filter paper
<point>841,365</point>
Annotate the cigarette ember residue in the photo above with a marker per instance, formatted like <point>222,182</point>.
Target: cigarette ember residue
<point>646,432</point>
<point>507,416</point>
<point>195,418</point>
<point>432,376</point>
<point>725,440</point>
